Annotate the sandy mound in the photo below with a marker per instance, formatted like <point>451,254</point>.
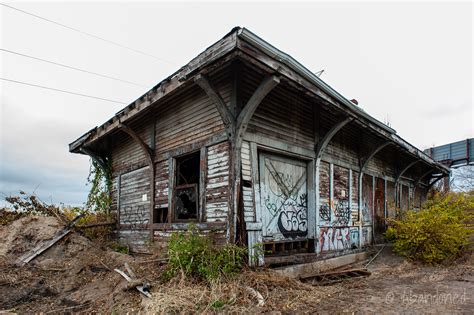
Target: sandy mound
<point>73,275</point>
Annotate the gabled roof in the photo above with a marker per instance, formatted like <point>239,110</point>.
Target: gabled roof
<point>242,41</point>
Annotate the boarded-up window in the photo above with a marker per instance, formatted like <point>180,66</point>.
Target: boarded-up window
<point>355,196</point>
<point>324,208</point>
<point>391,205</point>
<point>367,198</point>
<point>404,197</point>
<point>341,210</point>
<point>379,207</point>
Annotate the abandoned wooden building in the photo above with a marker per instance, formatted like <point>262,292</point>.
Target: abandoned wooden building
<point>251,147</point>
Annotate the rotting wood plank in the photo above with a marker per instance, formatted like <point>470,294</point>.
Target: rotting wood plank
<point>42,247</point>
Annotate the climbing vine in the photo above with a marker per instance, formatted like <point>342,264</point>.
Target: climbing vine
<point>99,198</point>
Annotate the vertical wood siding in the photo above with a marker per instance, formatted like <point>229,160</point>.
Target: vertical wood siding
<point>161,182</point>
<point>217,186</point>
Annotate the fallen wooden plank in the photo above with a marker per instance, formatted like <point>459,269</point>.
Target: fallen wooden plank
<point>43,246</point>
<point>140,288</point>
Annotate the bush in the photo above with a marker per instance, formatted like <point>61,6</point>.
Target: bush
<point>438,232</point>
<point>195,255</point>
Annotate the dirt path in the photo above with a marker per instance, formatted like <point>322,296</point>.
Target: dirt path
<point>396,286</point>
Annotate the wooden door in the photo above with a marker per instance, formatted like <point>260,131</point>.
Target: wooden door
<point>283,198</point>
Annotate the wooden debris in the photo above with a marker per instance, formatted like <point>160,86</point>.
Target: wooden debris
<point>42,247</point>
<point>256,294</point>
<point>337,276</point>
<point>143,289</point>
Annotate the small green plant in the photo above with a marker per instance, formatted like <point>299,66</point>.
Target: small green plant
<point>217,304</point>
<point>99,198</point>
<point>194,255</point>
<point>438,232</point>
<point>119,248</point>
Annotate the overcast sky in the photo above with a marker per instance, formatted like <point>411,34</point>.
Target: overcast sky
<point>410,63</point>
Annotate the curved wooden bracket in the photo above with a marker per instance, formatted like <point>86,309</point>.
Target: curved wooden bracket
<point>418,181</point>
<point>365,161</point>
<point>247,112</point>
<point>436,180</point>
<point>101,161</point>
<point>399,176</point>
<point>328,136</point>
<point>213,94</point>
<point>148,151</point>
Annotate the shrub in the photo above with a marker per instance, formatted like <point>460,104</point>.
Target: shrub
<point>438,232</point>
<point>195,255</point>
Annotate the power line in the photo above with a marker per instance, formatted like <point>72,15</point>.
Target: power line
<point>62,91</point>
<point>88,34</point>
<point>70,67</point>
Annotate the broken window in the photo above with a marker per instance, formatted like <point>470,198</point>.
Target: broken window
<point>186,191</point>
<point>160,215</point>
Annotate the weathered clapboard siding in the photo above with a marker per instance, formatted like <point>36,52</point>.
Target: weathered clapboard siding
<point>324,195</point>
<point>217,184</point>
<point>161,184</point>
<point>341,210</point>
<point>355,197</point>
<point>283,115</point>
<point>391,204</point>
<point>189,118</point>
<point>404,197</point>
<point>126,154</point>
<point>247,190</point>
<point>367,199</point>
<point>134,208</point>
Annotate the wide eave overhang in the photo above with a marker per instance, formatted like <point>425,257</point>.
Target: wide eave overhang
<point>241,41</point>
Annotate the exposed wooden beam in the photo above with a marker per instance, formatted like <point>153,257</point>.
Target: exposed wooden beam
<point>213,94</point>
<point>418,181</point>
<point>399,176</point>
<point>95,157</point>
<point>247,112</point>
<point>364,162</point>
<point>146,148</point>
<point>323,143</point>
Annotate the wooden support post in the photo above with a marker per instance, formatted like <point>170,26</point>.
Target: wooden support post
<point>236,126</point>
<point>319,149</point>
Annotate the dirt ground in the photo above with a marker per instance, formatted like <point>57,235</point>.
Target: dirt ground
<point>76,275</point>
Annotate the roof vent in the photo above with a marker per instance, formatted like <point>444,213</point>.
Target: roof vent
<point>354,101</point>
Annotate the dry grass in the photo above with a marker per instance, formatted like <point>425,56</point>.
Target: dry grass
<point>236,295</point>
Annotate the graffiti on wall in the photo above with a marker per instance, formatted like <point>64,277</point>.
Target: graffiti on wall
<point>366,235</point>
<point>334,238</point>
<point>134,215</point>
<point>325,213</point>
<point>354,237</point>
<point>342,213</point>
<point>293,219</point>
<point>285,200</point>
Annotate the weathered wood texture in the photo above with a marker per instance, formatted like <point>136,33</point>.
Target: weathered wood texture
<point>391,204</point>
<point>355,197</point>
<point>379,208</point>
<point>367,199</point>
<point>283,115</point>
<point>134,208</point>
<point>247,189</point>
<point>161,182</point>
<point>217,184</point>
<point>188,119</point>
<point>404,197</point>
<point>324,195</point>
